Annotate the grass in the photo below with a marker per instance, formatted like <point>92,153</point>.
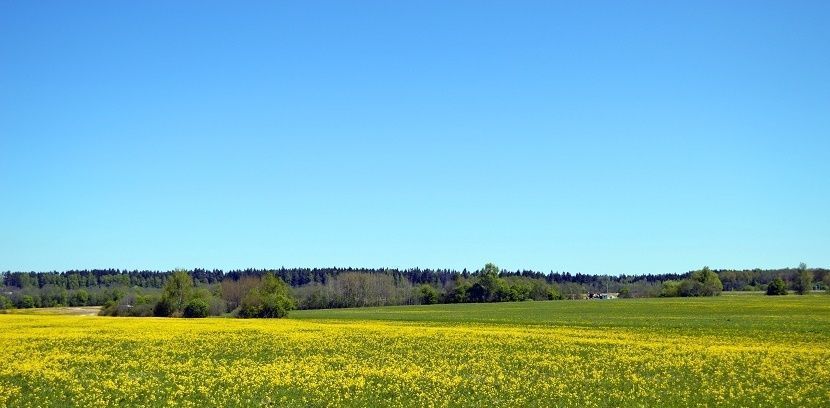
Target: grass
<point>77,311</point>
<point>726,351</point>
<point>748,315</point>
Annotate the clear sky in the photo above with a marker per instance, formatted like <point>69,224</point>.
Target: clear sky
<point>595,137</point>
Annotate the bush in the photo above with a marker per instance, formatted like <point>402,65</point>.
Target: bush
<point>517,292</point>
<point>163,308</point>
<point>108,309</point>
<point>701,283</point>
<point>133,304</point>
<point>271,299</point>
<point>142,310</point>
<point>554,294</point>
<point>777,287</point>
<point>26,302</point>
<point>459,294</point>
<point>5,303</point>
<point>477,293</point>
<point>256,304</point>
<point>690,287</point>
<point>217,306</point>
<point>427,295</point>
<point>671,288</point>
<point>196,308</point>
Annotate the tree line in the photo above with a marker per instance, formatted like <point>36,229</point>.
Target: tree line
<point>265,296</point>
<point>86,278</point>
<point>139,292</point>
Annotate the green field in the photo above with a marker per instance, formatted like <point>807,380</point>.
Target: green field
<point>747,315</point>
<point>725,351</point>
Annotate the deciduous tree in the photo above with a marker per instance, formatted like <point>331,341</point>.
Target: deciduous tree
<point>803,282</point>
<point>177,290</point>
<point>777,287</point>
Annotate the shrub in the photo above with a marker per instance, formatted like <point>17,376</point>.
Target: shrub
<point>777,287</point>
<point>256,304</point>
<point>133,304</point>
<point>196,308</point>
<point>217,306</point>
<point>477,293</point>
<point>163,308</point>
<point>540,290</point>
<point>671,288</point>
<point>516,292</point>
<point>108,309</point>
<point>271,299</point>
<point>142,310</point>
<point>232,291</point>
<point>5,303</point>
<point>427,295</point>
<point>690,287</point>
<point>702,283</point>
<point>26,302</point>
<point>554,294</point>
<point>459,294</point>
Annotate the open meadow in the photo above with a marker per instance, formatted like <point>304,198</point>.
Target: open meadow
<point>725,351</point>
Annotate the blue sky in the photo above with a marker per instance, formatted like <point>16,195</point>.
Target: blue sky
<point>594,137</point>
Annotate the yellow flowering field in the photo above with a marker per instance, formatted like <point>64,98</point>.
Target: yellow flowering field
<point>734,351</point>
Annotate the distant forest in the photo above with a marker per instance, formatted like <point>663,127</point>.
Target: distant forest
<point>314,288</point>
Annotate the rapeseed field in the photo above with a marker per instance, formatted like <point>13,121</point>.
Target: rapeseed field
<point>729,351</point>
